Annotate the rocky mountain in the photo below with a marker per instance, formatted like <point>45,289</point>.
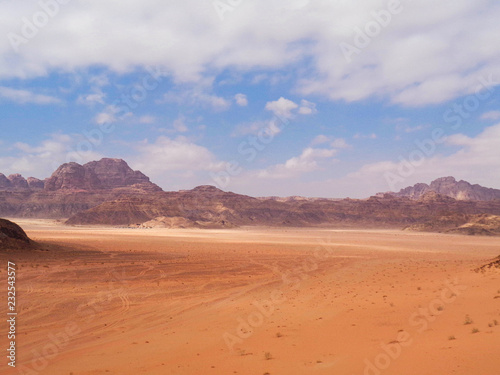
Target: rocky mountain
<point>71,189</point>
<point>13,182</point>
<point>104,174</point>
<point>448,186</point>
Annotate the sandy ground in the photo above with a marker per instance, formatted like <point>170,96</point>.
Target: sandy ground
<point>253,301</point>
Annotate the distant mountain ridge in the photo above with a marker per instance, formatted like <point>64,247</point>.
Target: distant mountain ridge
<point>450,187</point>
<point>109,192</point>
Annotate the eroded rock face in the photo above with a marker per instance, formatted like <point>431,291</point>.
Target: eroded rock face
<point>71,189</point>
<point>449,186</point>
<point>18,181</point>
<point>35,183</point>
<point>72,176</point>
<point>97,175</point>
<point>4,182</point>
<point>115,173</point>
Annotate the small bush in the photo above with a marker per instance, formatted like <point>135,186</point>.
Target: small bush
<point>468,320</point>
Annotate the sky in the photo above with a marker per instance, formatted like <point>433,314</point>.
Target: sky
<point>265,98</point>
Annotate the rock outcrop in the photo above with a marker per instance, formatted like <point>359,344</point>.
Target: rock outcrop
<point>5,183</point>
<point>115,173</point>
<point>72,176</point>
<point>18,182</point>
<point>12,236</point>
<point>104,174</point>
<point>449,186</point>
<point>456,223</point>
<point>35,183</point>
<point>71,189</point>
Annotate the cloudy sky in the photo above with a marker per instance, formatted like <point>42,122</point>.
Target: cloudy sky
<point>328,98</point>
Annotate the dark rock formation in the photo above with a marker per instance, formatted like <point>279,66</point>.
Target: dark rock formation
<point>13,237</point>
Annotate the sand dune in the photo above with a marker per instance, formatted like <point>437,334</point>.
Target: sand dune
<point>255,301</point>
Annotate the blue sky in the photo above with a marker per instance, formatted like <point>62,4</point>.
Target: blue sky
<point>312,98</point>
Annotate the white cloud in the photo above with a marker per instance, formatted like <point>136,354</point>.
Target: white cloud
<point>180,124</point>
<point>268,128</point>
<point>175,163</point>
<point>167,154</point>
<point>320,139</point>
<point>111,115</point>
<point>42,159</point>
<point>96,97</point>
<point>476,161</point>
<point>198,96</point>
<point>249,128</point>
<point>241,100</point>
<point>25,96</point>
<point>410,129</point>
<point>451,43</point>
<point>306,162</point>
<point>147,119</point>
<point>307,108</point>
<point>282,107</point>
<point>108,116</point>
<point>491,115</point>
<point>338,143</point>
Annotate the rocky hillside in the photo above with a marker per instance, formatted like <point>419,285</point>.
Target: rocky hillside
<point>12,236</point>
<point>210,205</point>
<point>448,186</point>
<point>479,224</point>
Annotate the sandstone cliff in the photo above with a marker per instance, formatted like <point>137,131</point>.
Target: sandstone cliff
<point>448,186</point>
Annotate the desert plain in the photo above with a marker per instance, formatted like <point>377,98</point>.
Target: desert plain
<point>276,301</point>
